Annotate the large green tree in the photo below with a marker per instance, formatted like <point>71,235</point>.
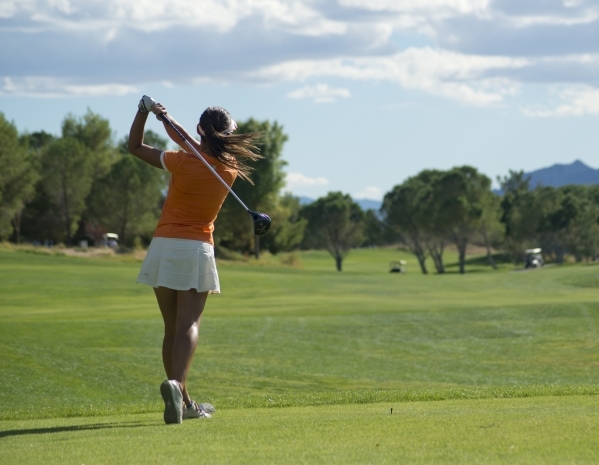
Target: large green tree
<point>233,229</point>
<point>465,193</point>
<point>405,216</point>
<point>520,213</point>
<point>568,221</point>
<point>287,230</point>
<point>38,221</point>
<point>336,223</point>
<point>67,175</point>
<point>126,199</point>
<point>433,208</point>
<point>582,236</point>
<point>434,216</point>
<point>18,175</point>
<point>93,131</point>
<point>490,227</point>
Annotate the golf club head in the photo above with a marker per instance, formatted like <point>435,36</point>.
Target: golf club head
<point>261,223</point>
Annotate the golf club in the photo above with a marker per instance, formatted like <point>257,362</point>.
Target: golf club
<point>261,220</point>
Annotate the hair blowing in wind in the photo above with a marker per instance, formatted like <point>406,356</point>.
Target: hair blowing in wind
<point>233,150</point>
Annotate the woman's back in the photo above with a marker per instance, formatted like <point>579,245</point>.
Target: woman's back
<point>194,198</point>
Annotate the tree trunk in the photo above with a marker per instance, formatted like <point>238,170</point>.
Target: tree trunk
<point>438,260</point>
<point>65,205</point>
<point>68,229</point>
<point>414,243</point>
<point>257,247</point>
<point>339,262</point>
<point>16,222</point>
<point>422,262</point>
<point>489,254</point>
<point>462,244</point>
<point>123,228</point>
<point>559,254</point>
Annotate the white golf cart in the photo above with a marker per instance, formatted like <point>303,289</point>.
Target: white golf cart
<point>398,266</point>
<point>533,259</point>
<point>111,240</point>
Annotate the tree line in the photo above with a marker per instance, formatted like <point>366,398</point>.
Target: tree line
<point>436,208</point>
<point>76,186</point>
<point>82,184</point>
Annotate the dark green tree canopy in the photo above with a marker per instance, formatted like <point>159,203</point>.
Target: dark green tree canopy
<point>336,223</point>
<point>126,200</point>
<point>67,176</point>
<point>93,131</point>
<point>232,228</point>
<point>18,175</point>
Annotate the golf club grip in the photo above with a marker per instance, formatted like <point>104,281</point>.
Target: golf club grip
<point>170,123</point>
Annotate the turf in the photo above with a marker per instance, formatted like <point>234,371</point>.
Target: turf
<point>81,336</point>
<point>537,430</point>
<point>79,339</point>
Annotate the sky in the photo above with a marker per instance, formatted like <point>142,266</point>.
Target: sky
<point>369,92</point>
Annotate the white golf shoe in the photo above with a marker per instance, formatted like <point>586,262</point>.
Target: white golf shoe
<point>196,410</point>
<point>173,401</point>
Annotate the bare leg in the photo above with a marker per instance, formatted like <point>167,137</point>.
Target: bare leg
<point>167,301</point>
<point>190,305</point>
<point>181,312</point>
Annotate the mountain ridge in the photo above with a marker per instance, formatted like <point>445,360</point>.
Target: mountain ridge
<point>561,174</point>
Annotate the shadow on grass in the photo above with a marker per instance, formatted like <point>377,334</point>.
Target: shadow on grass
<point>481,261</point>
<point>63,429</point>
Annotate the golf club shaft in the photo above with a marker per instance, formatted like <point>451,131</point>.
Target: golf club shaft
<point>170,123</point>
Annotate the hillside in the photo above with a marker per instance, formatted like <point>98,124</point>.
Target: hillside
<point>560,175</point>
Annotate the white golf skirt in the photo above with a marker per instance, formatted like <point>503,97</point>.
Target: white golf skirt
<point>180,264</point>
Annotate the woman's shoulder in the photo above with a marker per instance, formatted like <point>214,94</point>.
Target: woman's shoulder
<point>193,161</point>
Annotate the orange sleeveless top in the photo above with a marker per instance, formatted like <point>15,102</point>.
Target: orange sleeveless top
<point>194,196</point>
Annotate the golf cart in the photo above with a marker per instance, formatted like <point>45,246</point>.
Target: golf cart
<point>398,267</point>
<point>533,259</point>
<point>110,240</point>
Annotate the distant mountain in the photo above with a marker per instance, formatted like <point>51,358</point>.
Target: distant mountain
<point>305,200</point>
<point>368,204</point>
<point>365,204</point>
<point>561,175</point>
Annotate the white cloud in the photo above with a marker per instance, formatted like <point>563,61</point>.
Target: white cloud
<point>579,101</point>
<point>294,16</point>
<point>477,52</point>
<point>371,192</point>
<point>8,9</point>
<point>320,93</point>
<point>449,74</point>
<point>299,180</point>
<point>411,6</point>
<point>52,87</point>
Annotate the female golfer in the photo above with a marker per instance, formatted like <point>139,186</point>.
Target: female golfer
<point>180,262</point>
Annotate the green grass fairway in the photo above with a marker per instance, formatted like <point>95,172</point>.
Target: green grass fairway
<point>79,339</point>
<point>536,430</point>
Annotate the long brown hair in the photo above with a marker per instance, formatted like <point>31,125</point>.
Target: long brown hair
<point>232,150</point>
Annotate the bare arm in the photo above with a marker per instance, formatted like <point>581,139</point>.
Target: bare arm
<point>159,109</point>
<point>136,144</point>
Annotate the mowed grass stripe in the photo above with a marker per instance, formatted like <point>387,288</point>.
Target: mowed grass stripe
<point>532,430</point>
<point>79,337</point>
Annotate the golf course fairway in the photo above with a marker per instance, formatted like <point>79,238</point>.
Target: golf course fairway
<point>303,363</point>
